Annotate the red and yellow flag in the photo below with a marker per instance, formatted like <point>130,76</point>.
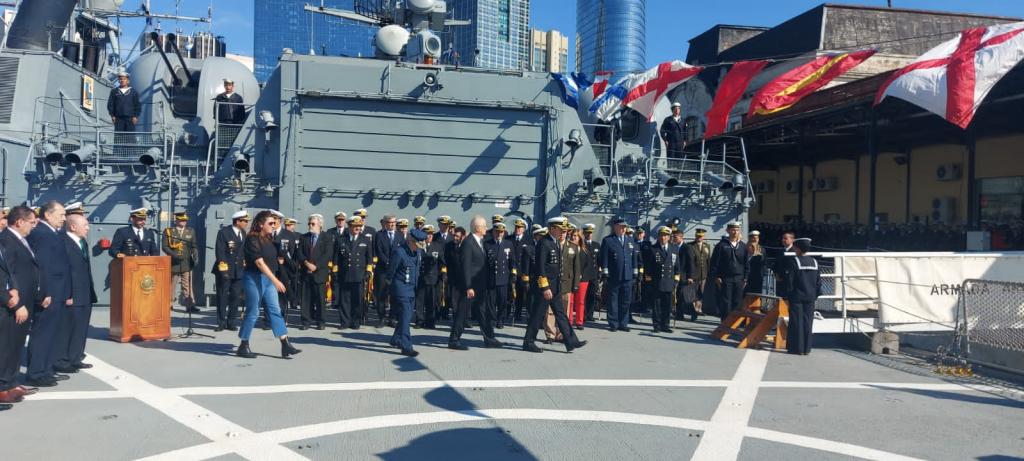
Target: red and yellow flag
<point>790,87</point>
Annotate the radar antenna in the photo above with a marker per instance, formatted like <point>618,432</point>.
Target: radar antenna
<point>406,28</point>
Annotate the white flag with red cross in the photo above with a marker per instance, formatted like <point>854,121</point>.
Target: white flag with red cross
<point>952,79</point>
<point>648,87</point>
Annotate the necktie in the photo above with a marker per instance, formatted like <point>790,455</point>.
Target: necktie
<point>85,249</point>
<point>138,233</point>
<point>314,240</point>
<point>391,235</point>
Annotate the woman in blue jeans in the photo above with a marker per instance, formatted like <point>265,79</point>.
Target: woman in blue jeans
<point>261,284</point>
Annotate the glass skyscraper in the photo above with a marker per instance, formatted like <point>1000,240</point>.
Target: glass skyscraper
<point>611,36</point>
<point>500,31</point>
<point>280,24</point>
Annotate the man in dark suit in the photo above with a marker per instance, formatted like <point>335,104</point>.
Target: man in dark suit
<point>673,131</point>
<point>686,290</point>
<point>729,267</point>
<point>383,242</point>
<point>19,280</point>
<point>353,258</point>
<point>55,272</point>
<point>473,277</point>
<point>547,275</point>
<point>135,240</point>
<point>315,252</point>
<point>228,270</point>
<point>453,289</point>
<point>620,267</point>
<point>71,342</point>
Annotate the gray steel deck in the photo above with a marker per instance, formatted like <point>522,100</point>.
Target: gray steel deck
<point>625,396</point>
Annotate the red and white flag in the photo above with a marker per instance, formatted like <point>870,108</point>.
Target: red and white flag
<point>952,79</point>
<point>600,83</point>
<point>648,87</point>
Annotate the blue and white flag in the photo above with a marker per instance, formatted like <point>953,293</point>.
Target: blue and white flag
<point>570,89</point>
<point>610,102</point>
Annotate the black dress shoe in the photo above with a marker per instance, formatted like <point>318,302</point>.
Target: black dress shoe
<point>457,347</point>
<point>531,347</point>
<point>5,406</point>
<point>67,369</point>
<point>493,344</point>
<point>82,366</point>
<point>612,329</point>
<point>303,326</point>
<point>264,327</point>
<point>192,309</point>
<point>231,328</point>
<point>320,326</point>
<point>219,327</point>
<point>666,330</point>
<point>380,324</point>
<point>626,329</point>
<point>60,377</point>
<point>578,327</point>
<point>355,327</point>
<point>46,382</point>
<point>409,353</point>
<point>579,344</point>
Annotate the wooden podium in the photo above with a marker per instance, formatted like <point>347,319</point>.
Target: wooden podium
<point>140,298</point>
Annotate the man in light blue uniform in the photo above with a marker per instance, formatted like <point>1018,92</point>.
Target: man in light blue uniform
<point>620,265</point>
<point>404,272</point>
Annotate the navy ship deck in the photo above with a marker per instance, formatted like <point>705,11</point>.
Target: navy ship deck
<point>631,395</point>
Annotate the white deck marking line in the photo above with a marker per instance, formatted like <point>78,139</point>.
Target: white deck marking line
<point>456,384</point>
<point>824,445</point>
<point>952,387</point>
<point>79,395</point>
<point>189,414</point>
<point>724,436</point>
<point>293,434</point>
<point>522,383</point>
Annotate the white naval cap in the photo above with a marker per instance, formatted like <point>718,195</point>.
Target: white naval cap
<point>240,214</point>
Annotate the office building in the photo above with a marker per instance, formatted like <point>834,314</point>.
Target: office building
<point>499,37</point>
<point>280,24</point>
<point>549,51</point>
<point>610,36</point>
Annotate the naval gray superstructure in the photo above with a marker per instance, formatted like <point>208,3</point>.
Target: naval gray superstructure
<point>399,133</point>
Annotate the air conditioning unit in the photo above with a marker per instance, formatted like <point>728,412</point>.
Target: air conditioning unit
<point>825,184</point>
<point>943,209</point>
<point>949,172</point>
<point>793,186</point>
<point>765,187</point>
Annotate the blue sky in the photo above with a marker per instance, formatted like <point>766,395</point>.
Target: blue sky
<point>670,23</point>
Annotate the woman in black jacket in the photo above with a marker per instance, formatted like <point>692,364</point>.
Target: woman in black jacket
<point>261,285</point>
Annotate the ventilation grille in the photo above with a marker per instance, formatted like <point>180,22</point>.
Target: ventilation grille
<point>8,84</point>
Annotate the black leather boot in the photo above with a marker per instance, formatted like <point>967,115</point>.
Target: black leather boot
<point>244,352</point>
<point>287,349</point>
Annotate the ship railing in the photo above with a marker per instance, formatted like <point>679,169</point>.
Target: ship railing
<point>226,129</point>
<point>62,113</point>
